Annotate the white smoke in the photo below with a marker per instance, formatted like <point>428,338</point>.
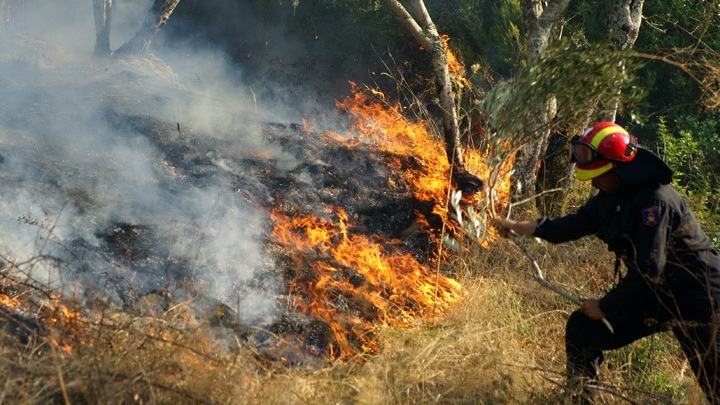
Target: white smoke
<point>69,173</point>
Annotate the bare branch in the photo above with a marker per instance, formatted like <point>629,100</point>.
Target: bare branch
<point>409,22</point>
<point>701,65</point>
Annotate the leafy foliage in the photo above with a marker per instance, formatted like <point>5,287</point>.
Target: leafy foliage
<point>681,31</point>
<point>486,33</point>
<point>580,78</point>
<point>692,148</point>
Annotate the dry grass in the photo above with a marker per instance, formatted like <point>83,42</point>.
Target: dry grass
<point>503,344</point>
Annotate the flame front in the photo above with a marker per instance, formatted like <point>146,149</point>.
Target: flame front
<point>66,325</point>
<point>353,282</point>
<point>387,127</point>
<point>360,282</point>
<point>384,124</point>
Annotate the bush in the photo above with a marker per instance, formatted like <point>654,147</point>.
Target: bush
<point>692,148</point>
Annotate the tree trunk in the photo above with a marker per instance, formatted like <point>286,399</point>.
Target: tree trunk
<point>102,10</point>
<point>451,128</point>
<point>556,170</point>
<point>540,21</point>
<point>157,17</point>
<point>623,28</point>
<point>624,22</point>
<point>555,174</point>
<point>426,33</point>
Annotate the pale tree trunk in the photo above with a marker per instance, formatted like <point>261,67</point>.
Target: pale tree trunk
<point>423,29</point>
<point>540,19</point>
<point>102,10</point>
<point>624,27</point>
<point>157,17</point>
<point>556,170</point>
<point>624,22</point>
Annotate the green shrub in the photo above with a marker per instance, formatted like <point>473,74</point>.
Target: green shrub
<point>692,148</point>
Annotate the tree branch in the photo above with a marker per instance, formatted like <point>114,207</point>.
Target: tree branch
<point>682,66</point>
<point>409,22</point>
<point>419,6</point>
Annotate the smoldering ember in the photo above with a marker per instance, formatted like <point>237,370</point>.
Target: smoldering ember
<point>128,185</point>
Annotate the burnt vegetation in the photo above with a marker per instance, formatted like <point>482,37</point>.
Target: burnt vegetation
<point>132,308</point>
<point>130,265</point>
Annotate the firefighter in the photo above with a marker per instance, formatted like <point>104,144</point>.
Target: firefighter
<point>672,276</point>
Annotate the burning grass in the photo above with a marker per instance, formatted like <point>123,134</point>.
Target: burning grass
<point>417,335</point>
<point>502,343</point>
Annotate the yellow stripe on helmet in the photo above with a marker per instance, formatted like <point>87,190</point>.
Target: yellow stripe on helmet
<point>600,135</point>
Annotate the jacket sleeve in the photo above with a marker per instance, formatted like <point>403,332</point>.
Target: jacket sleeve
<point>585,221</point>
<point>647,262</point>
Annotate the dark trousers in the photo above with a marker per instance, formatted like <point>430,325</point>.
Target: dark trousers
<point>585,339</point>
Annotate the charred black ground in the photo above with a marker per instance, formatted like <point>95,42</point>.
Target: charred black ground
<point>135,264</point>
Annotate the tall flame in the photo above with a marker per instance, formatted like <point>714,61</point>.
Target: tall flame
<point>354,282</point>
<point>456,68</point>
<point>386,126</point>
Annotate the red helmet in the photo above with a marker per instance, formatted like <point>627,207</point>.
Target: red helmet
<point>601,148</point>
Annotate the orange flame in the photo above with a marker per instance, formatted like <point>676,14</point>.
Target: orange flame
<point>362,281</point>
<point>353,282</point>
<point>68,324</point>
<point>65,324</point>
<point>10,302</point>
<point>456,68</point>
<point>392,132</point>
<point>385,125</point>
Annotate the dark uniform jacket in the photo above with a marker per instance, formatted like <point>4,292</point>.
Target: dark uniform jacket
<point>649,225</point>
<point>668,258</point>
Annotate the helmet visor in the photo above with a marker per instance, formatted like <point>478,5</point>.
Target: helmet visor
<point>582,152</point>
<point>585,153</point>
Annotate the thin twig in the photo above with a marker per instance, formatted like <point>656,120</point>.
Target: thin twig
<point>536,195</point>
<point>58,369</point>
<point>541,280</point>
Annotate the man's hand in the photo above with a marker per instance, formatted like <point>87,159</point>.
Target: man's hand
<point>591,308</point>
<point>504,226</point>
<point>521,227</point>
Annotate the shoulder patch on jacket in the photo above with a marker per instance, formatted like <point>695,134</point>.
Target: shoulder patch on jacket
<point>651,216</point>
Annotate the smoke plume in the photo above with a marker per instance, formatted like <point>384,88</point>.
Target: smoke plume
<point>120,176</point>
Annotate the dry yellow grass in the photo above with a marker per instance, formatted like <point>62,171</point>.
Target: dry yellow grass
<point>502,344</point>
